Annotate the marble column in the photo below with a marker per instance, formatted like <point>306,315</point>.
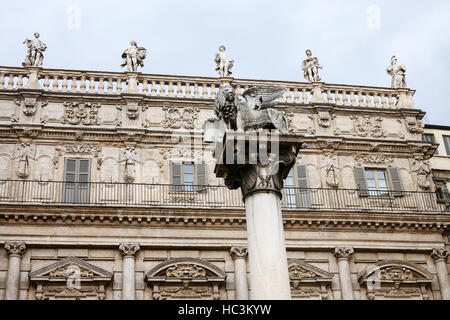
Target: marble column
<point>343,255</point>
<point>15,251</point>
<point>257,163</point>
<point>439,257</point>
<point>239,255</point>
<point>128,271</point>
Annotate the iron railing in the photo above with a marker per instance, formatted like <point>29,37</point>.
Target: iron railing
<point>163,195</point>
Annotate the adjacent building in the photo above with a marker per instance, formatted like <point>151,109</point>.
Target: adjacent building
<point>107,191</point>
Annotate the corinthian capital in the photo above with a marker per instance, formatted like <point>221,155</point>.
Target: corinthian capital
<point>129,249</point>
<point>343,253</point>
<point>238,252</point>
<point>15,248</point>
<point>440,254</point>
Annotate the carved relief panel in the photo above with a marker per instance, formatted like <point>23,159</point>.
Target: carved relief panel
<point>81,113</point>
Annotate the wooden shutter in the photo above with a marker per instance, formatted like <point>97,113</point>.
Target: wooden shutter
<point>303,193</point>
<point>396,182</point>
<point>84,166</point>
<point>447,144</point>
<point>201,176</point>
<point>361,182</point>
<point>175,176</point>
<point>70,173</point>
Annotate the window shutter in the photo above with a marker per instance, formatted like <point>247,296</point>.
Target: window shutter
<point>201,175</point>
<point>396,182</point>
<point>303,195</point>
<point>70,172</point>
<point>84,177</point>
<point>175,177</point>
<point>361,183</point>
<point>447,144</point>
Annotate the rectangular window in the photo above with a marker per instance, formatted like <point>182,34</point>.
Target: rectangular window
<point>289,190</point>
<point>447,144</point>
<point>296,193</point>
<point>377,182</point>
<point>429,137</point>
<point>76,187</point>
<point>188,176</point>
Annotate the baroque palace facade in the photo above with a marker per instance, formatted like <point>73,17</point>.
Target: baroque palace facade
<point>107,191</point>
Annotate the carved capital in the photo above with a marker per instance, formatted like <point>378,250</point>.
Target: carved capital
<point>128,249</point>
<point>343,253</point>
<point>239,252</point>
<point>440,254</point>
<point>15,248</point>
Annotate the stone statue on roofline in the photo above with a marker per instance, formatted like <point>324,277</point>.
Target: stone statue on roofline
<point>134,57</point>
<point>35,54</point>
<point>310,67</point>
<point>398,74</point>
<point>223,63</point>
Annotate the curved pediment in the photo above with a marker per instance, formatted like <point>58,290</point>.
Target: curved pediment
<point>186,269</point>
<point>395,271</point>
<point>71,267</point>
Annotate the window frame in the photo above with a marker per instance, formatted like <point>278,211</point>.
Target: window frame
<point>378,191</point>
<point>446,144</point>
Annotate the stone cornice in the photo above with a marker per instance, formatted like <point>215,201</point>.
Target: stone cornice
<point>199,218</point>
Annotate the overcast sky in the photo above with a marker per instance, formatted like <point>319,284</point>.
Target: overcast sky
<point>354,39</point>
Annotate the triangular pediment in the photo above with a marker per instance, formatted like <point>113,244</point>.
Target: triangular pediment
<point>71,267</point>
<point>304,272</point>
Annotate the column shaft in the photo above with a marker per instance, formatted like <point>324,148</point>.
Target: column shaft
<point>128,279</point>
<point>345,279</point>
<point>240,273</point>
<point>269,278</point>
<point>13,278</point>
<point>444,282</point>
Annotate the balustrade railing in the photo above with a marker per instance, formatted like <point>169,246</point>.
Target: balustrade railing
<point>162,195</point>
<point>187,87</point>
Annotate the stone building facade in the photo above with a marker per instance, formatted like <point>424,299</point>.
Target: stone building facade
<point>107,192</point>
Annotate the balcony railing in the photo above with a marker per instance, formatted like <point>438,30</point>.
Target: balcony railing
<point>162,195</point>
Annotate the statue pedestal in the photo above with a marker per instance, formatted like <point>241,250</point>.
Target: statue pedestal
<point>132,82</point>
<point>258,162</point>
<point>33,79</point>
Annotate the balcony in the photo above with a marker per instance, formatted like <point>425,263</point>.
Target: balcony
<point>53,193</point>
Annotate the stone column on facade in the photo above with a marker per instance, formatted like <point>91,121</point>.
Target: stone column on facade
<point>128,271</point>
<point>15,251</point>
<point>343,255</point>
<point>439,257</point>
<point>239,255</point>
<point>247,161</point>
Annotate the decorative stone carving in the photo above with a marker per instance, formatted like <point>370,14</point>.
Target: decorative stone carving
<point>423,170</point>
<point>223,63</point>
<point>362,159</point>
<point>71,269</point>
<point>440,254</point>
<point>127,249</point>
<point>83,148</point>
<point>239,252</point>
<point>325,118</point>
<point>396,280</point>
<point>343,253</point>
<point>176,118</point>
<point>331,166</point>
<point>129,157</point>
<point>134,57</point>
<point>30,104</point>
<point>310,67</point>
<point>289,117</point>
<point>414,125</point>
<point>15,248</point>
<point>35,54</point>
<point>398,74</point>
<point>70,278</point>
<point>189,271</point>
<point>25,153</point>
<point>81,113</point>
<point>226,107</point>
<point>186,278</point>
<point>308,281</point>
<point>364,126</point>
